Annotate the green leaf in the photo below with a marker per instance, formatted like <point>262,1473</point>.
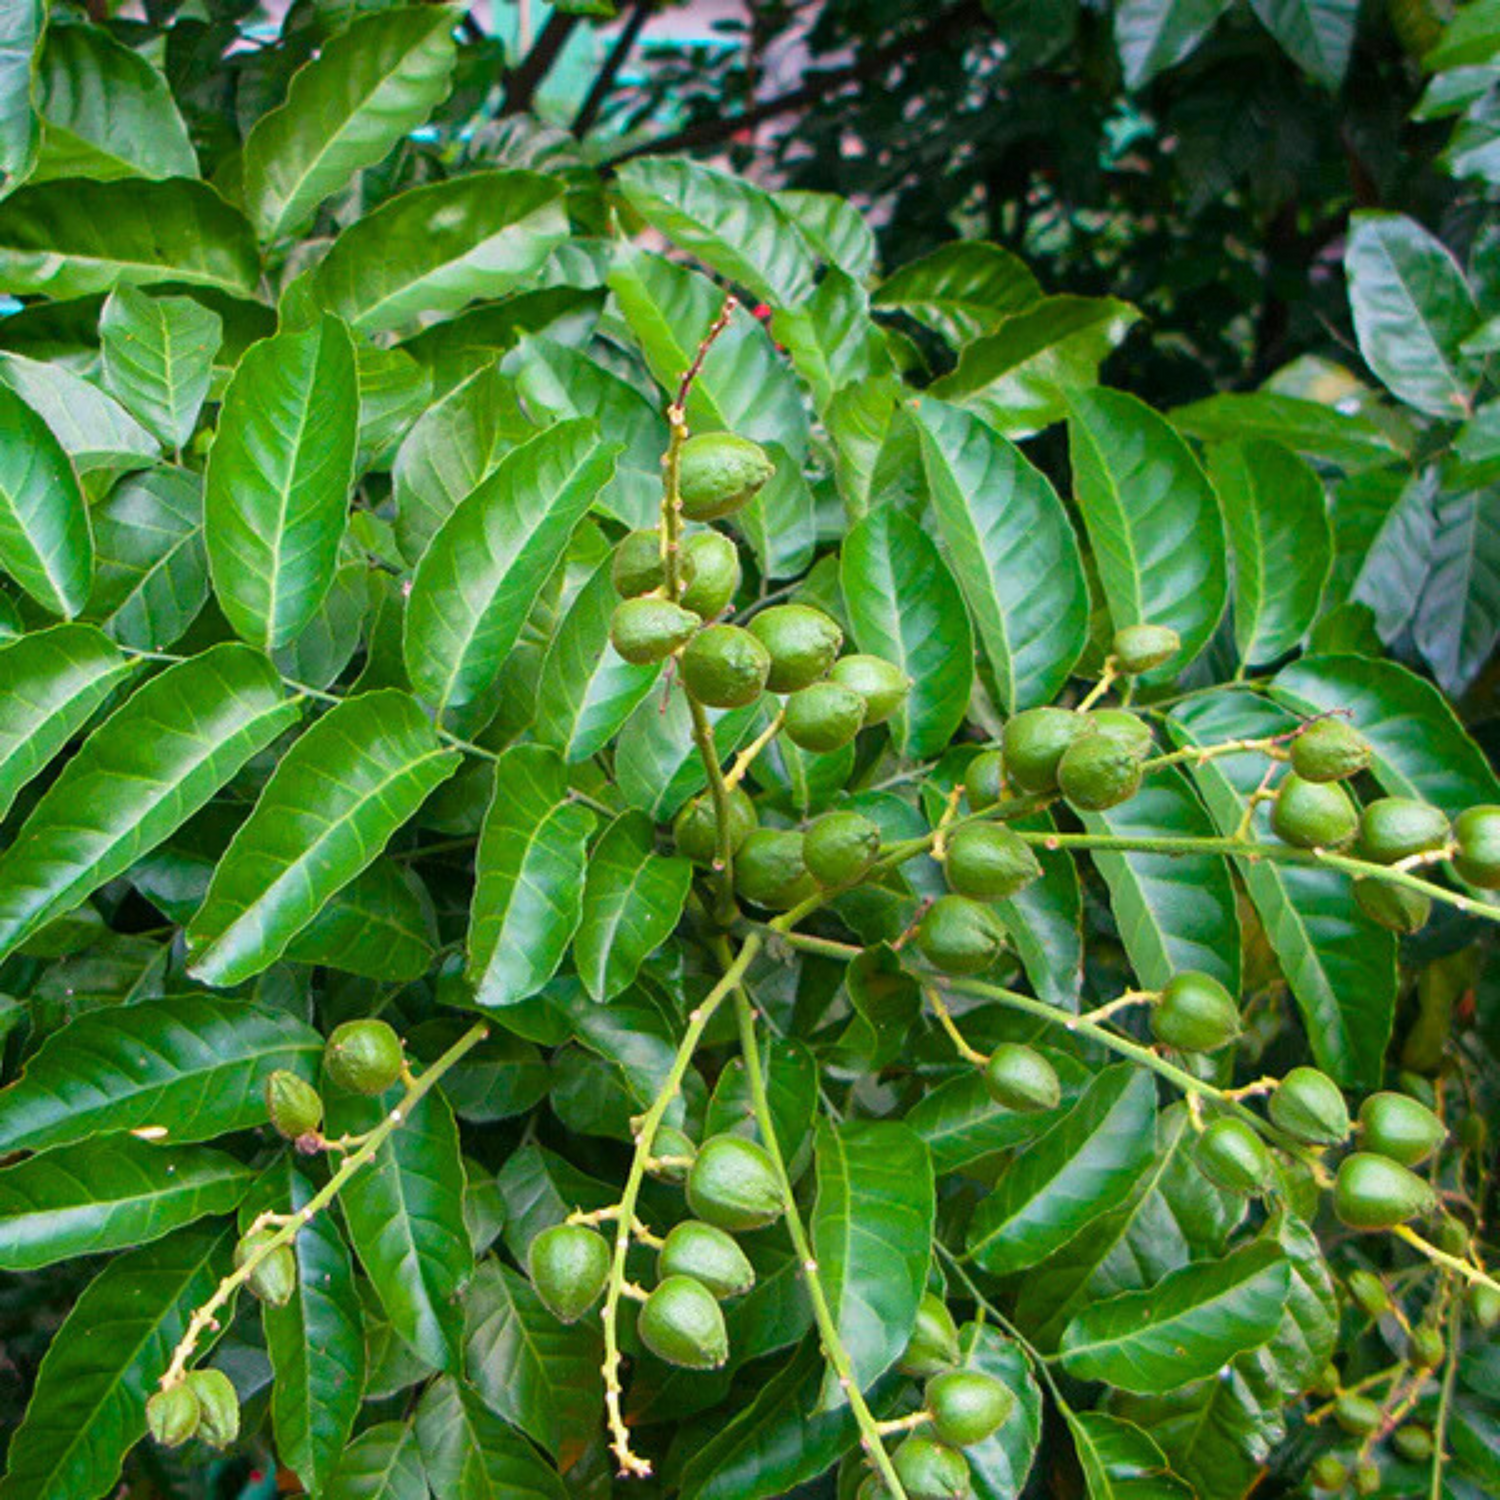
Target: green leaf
<point>89,1405</point>
<point>632,899</point>
<point>730,224</point>
<point>529,873</point>
<point>1341,967</point>
<point>1470,38</point>
<point>1183,1328</point>
<point>539,1189</point>
<point>188,1068</point>
<point>780,524</point>
<point>961,291</point>
<point>45,541</point>
<point>1412,309</point>
<point>999,1466</point>
<point>159,357</point>
<point>367,88</point>
<point>1083,1167</point>
<point>382,1463</point>
<point>1307,1335</point>
<point>434,249</point>
<point>905,606</point>
<point>68,239</point>
<point>328,810</point>
<point>1215,1433</point>
<point>380,925</point>
<point>1152,518</point>
<point>51,681</point>
<point>1045,922</point>
<point>1309,428</point>
<point>1120,1462</point>
<point>1458,618</point>
<point>1153,35</point>
<point>791,1076</point>
<point>489,561</point>
<point>831,338</point>
<point>405,1217</point>
<point>872,1230</point>
<point>657,767</point>
<point>834,227</point>
<point>108,1194</point>
<point>1318,35</point>
<point>470,1454</point>
<point>279,473</point>
<point>142,774</point>
<point>21,24</point>
<point>1012,550</point>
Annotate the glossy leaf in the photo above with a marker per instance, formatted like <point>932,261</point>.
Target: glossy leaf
<point>1309,428</point>
<point>961,290</point>
<point>1045,922</point>
<point>1000,1465</point>
<point>1214,1433</point>
<point>1120,1462</point>
<point>1318,35</point>
<point>158,358</point>
<point>470,1454</point>
<point>21,27</point>
<point>780,523</point>
<point>1458,618</point>
<point>382,1463</point>
<point>1153,35</point>
<point>380,925</point>
<point>791,1076</point>
<point>656,766</point>
<point>834,227</point>
<point>831,338</point>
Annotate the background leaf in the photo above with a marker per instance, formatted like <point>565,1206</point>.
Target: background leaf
<point>383,1463</point>
<point>470,1454</point>
<point>961,290</point>
<point>158,358</point>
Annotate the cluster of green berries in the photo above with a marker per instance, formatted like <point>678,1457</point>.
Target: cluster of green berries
<point>203,1404</point>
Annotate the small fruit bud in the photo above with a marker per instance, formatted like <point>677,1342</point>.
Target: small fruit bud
<point>1233,1156</point>
<point>733,1185</point>
<point>1195,1013</point>
<point>1020,1078</point>
<point>960,936</point>
<point>1308,1106</point>
<point>1140,648</point>
<point>1034,742</point>
<point>1328,1473</point>
<point>707,1254</point>
<point>172,1415</point>
<point>882,684</point>
<point>725,667</point>
<point>840,846</point>
<point>363,1057</point>
<point>681,1323</point>
<point>824,717</point>
<point>1373,1192</point>
<point>568,1264</point>
<point>1397,1126</point>
<point>1427,1346</point>
<point>1395,828</point>
<point>1413,1442</point>
<point>295,1107</point>
<point>930,1470</point>
<point>720,472</point>
<point>218,1407</point>
<point>1329,750</point>
<point>671,1145</point>
<point>1369,1293</point>
<point>274,1279</point>
<point>1098,772</point>
<point>1357,1415</point>
<point>1367,1478</point>
<point>696,828</point>
<point>771,869</point>
<point>1313,814</point>
<point>933,1346</point>
<point>1477,832</point>
<point>1453,1238</point>
<point>803,642</point>
<point>1484,1306</point>
<point>648,630</point>
<point>967,1406</point>
<point>989,862</point>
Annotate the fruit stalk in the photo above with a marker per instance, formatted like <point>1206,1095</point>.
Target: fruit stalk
<point>1470,1272</point>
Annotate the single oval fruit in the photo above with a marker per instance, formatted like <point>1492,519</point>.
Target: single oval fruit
<point>718,473</point>
<point>172,1415</point>
<point>681,1323</point>
<point>1428,1347</point>
<point>711,567</point>
<point>989,862</point>
<point>770,869</point>
<point>803,642</point>
<point>294,1106</point>
<point>707,1254</point>
<point>672,1154</point>
<point>1139,648</point>
<point>984,780</point>
<point>1313,814</point>
<point>1413,1442</point>
<point>1328,1473</point>
<point>696,831</point>
<point>840,846</point>
<point>1367,1480</point>
<point>218,1406</point>
<point>636,567</point>
<point>824,717</point>
<point>1033,744</point>
<point>274,1279</point>
<point>1195,1013</point>
<point>1309,1106</point>
<point>1356,1414</point>
<point>930,1470</point>
<point>959,936</point>
<point>1131,730</point>
<point>933,1345</point>
<point>1373,1192</point>
<point>1477,833</point>
<point>967,1406</point>
<point>1368,1293</point>
<point>733,1186</point>
<point>1394,907</point>
<point>363,1057</point>
<point>568,1265</point>
<point>1329,750</point>
<point>1399,1127</point>
<point>1098,772</point>
<point>1020,1078</point>
<point>648,630</point>
<point>1395,828</point>
<point>725,667</point>
<point>1484,1306</point>
<point>881,683</point>
<point>1232,1155</point>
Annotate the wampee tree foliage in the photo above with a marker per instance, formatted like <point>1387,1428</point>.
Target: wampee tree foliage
<point>636,846</point>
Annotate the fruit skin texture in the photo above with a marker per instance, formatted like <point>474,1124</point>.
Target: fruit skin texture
<point>1098,772</point>
<point>363,1057</point>
<point>1233,1156</point>
<point>732,1185</point>
<point>959,936</point>
<point>1396,827</point>
<point>933,1346</point>
<point>1131,730</point>
<point>725,667</point>
<point>1195,1013</point>
<point>710,567</point>
<point>172,1415</point>
<point>881,683</point>
<point>635,568</point>
<point>1399,1127</point>
<point>1139,648</point>
<point>648,630</point>
<point>1413,1442</point>
<point>294,1106</point>
<point>840,846</point>
<point>1427,1346</point>
<point>681,1323</point>
<point>1369,1293</point>
<point>218,1407</point>
<point>274,1279</point>
<point>1309,1107</point>
<point>1020,1078</point>
<point>1477,830</point>
<point>1393,907</point>
<point>669,1141</point>
<point>1329,750</point>
<point>1357,1415</point>
<point>1313,814</point>
<point>803,642</point>
<point>930,1470</point>
<point>824,717</point>
<point>1484,1306</point>
<point>989,861</point>
<point>967,1406</point>
<point>718,472</point>
<point>568,1264</point>
<point>1373,1192</point>
<point>1328,1473</point>
<point>1034,742</point>
<point>984,780</point>
<point>770,869</point>
<point>696,832</point>
<point>707,1254</point>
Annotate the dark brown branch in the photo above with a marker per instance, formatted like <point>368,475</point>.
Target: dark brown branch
<point>604,82</point>
<point>523,81</point>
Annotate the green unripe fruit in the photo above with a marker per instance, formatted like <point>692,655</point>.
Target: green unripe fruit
<point>707,1254</point>
<point>1329,750</point>
<point>1477,832</point>
<point>1399,1127</point>
<point>1195,1013</point>
<point>636,567</point>
<point>930,1470</point>
<point>989,862</point>
<point>674,1146</point>
<point>882,684</point>
<point>218,1407</point>
<point>274,1278</point>
<point>1034,742</point>
<point>1139,648</point>
<point>771,870</point>
<point>803,642</point>
<point>1098,772</point>
<point>1308,1105</point>
<point>568,1265</point>
<point>1427,1346</point>
<point>1374,1192</point>
<point>933,1345</point>
<point>648,630</point>
<point>870,1488</point>
<point>1328,1381</point>
<point>984,780</point>
<point>681,1323</point>
<point>294,1106</point>
<point>172,1415</point>
<point>824,717</point>
<point>840,846</point>
<point>695,827</point>
<point>1131,730</point>
<point>959,936</point>
<point>1413,1442</point>
<point>1328,1473</point>
<point>733,1185</point>
<point>1313,814</point>
<point>1357,1415</point>
<point>1453,1238</point>
<point>718,473</point>
<point>1369,1293</point>
<point>1395,828</point>
<point>363,1057</point>
<point>1367,1478</point>
<point>725,667</point>
<point>967,1406</point>
<point>711,565</point>
<point>1394,907</point>
<point>1020,1078</point>
<point>1473,1133</point>
<point>1484,1306</point>
<point>1417,1086</point>
<point>1232,1155</point>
